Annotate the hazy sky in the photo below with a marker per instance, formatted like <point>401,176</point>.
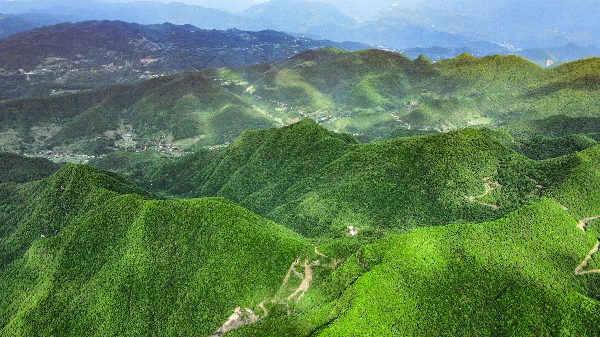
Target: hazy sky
<point>230,5</point>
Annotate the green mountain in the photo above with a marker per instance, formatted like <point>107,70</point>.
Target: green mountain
<point>85,252</point>
<point>73,57</point>
<point>12,24</point>
<point>513,277</point>
<point>315,181</point>
<point>17,169</point>
<point>370,94</point>
<point>512,252</point>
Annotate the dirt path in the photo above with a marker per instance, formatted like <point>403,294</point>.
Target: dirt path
<point>579,270</point>
<point>241,318</point>
<point>489,187</point>
<point>262,306</point>
<point>537,184</point>
<point>583,222</point>
<point>306,278</point>
<point>319,253</point>
<point>237,319</point>
<point>334,262</point>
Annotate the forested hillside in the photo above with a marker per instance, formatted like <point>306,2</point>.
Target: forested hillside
<point>442,234</point>
<point>333,193</point>
<point>315,181</point>
<point>371,94</point>
<point>84,252</point>
<point>73,57</point>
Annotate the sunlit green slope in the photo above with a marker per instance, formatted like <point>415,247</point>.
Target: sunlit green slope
<point>511,277</point>
<point>85,253</point>
<point>532,272</point>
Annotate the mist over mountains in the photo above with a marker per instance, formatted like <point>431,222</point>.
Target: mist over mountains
<point>439,29</point>
<point>92,54</point>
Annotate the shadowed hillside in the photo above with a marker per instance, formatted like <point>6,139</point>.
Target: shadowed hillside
<point>17,169</point>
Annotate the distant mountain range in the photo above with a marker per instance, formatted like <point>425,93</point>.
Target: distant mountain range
<point>438,29</point>
<point>90,54</point>
<point>12,24</point>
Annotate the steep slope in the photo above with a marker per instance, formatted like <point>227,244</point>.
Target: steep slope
<point>534,271</point>
<point>514,276</point>
<point>85,253</point>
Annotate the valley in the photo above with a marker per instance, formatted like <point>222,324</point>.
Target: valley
<point>74,57</point>
<point>167,180</point>
<point>426,240</point>
<point>371,94</point>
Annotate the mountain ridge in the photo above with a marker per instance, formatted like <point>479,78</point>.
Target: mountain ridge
<point>90,54</point>
<point>181,266</point>
<point>368,93</point>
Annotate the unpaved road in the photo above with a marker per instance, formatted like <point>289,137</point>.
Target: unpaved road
<point>489,187</point>
<point>240,317</point>
<point>579,270</point>
<point>583,222</point>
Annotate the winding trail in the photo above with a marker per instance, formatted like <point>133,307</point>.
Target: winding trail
<point>334,262</point>
<point>241,318</point>
<point>306,278</point>
<point>579,270</point>
<point>262,306</point>
<point>583,222</point>
<point>538,185</point>
<point>489,187</point>
<point>319,253</point>
<point>237,319</point>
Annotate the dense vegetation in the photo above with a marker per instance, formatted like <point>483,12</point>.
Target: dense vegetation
<point>17,169</point>
<point>76,56</point>
<point>452,234</point>
<point>86,253</point>
<point>317,182</point>
<point>371,94</point>
<point>435,229</point>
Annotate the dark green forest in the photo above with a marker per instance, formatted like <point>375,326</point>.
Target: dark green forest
<point>332,194</point>
<point>455,233</point>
